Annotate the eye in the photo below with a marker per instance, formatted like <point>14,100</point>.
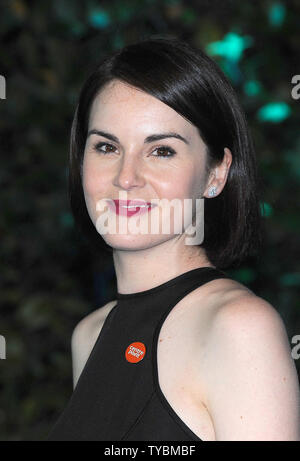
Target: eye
<point>166,149</point>
<point>160,149</point>
<point>101,144</point>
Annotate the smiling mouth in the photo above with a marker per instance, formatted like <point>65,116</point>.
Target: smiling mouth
<point>130,208</point>
<point>135,206</point>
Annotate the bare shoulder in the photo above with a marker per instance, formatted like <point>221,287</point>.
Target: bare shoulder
<point>243,312</point>
<point>239,318</point>
<point>219,292</point>
<point>85,335</point>
<point>251,383</point>
<point>90,322</point>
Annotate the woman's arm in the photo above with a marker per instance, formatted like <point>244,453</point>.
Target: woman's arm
<point>84,337</point>
<point>252,383</point>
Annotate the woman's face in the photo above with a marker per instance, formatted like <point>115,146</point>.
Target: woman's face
<point>140,170</point>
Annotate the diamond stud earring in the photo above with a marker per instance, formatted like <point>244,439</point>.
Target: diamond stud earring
<point>212,191</point>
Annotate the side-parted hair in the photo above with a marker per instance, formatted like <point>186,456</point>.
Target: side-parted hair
<point>186,79</point>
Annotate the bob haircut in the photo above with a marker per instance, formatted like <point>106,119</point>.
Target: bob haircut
<point>186,79</point>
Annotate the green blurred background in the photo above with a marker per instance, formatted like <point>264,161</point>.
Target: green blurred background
<point>50,279</point>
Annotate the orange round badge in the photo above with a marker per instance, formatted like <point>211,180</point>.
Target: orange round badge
<point>135,352</point>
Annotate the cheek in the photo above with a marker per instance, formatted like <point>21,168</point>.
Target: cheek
<point>194,182</point>
<point>92,179</point>
<point>93,184</point>
<point>179,184</point>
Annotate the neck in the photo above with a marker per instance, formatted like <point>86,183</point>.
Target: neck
<point>142,269</point>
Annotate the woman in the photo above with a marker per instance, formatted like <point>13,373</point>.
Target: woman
<point>184,352</point>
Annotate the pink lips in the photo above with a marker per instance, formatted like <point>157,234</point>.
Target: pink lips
<point>119,207</point>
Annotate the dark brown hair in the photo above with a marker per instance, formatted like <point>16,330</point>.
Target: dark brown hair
<point>186,79</point>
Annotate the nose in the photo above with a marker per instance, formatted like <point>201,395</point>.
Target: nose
<point>129,174</point>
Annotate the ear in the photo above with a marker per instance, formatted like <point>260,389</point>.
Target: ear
<point>219,174</point>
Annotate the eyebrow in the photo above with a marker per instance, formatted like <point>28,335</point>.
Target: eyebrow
<point>148,139</point>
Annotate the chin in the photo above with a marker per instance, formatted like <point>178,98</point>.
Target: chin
<point>133,242</point>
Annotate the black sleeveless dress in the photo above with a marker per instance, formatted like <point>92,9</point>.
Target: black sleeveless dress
<point>118,396</point>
